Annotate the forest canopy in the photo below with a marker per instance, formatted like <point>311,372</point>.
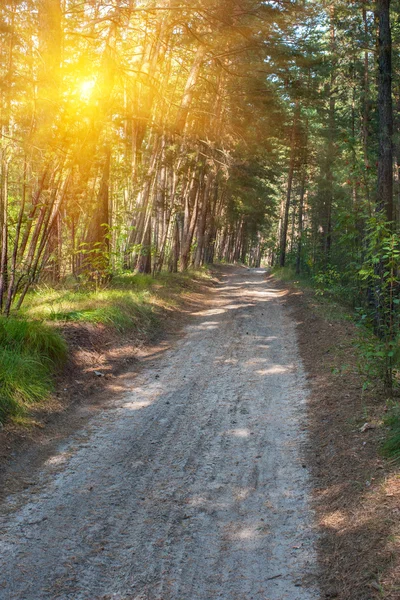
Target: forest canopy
<point>122,124</point>
<point>166,134</point>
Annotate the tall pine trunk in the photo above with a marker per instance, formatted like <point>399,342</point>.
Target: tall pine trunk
<point>285,217</point>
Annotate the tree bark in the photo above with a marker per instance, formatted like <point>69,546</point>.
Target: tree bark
<point>285,218</point>
<point>384,200</point>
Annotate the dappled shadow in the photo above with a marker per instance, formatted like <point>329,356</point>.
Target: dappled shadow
<point>356,510</point>
<point>80,393</point>
<point>201,458</point>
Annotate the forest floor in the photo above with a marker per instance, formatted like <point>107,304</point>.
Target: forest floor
<point>188,482</point>
<point>100,351</point>
<point>224,461</point>
<point>356,494</point>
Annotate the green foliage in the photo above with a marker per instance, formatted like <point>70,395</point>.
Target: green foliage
<point>378,358</point>
<point>327,281</point>
<point>391,446</point>
<point>23,379</point>
<point>117,309</point>
<point>288,275</point>
<point>129,301</point>
<point>32,337</point>
<point>96,261</point>
<point>381,315</point>
<point>29,351</point>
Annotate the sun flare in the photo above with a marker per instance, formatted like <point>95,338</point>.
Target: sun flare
<point>86,89</point>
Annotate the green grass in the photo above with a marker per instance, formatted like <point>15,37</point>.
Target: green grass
<point>130,302</point>
<point>31,347</point>
<point>391,446</point>
<point>33,338</point>
<point>29,353</point>
<point>121,310</point>
<point>288,275</point>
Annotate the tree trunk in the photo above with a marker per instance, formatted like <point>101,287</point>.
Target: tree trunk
<point>3,227</point>
<point>97,238</point>
<point>384,200</point>
<point>285,217</point>
<point>300,219</point>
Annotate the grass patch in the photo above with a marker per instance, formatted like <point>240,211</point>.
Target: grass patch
<point>32,338</point>
<point>129,302</point>
<point>29,352</point>
<point>288,275</point>
<point>391,446</point>
<point>31,348</point>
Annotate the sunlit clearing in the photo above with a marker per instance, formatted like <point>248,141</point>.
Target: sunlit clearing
<point>334,520</point>
<point>210,312</point>
<point>205,326</point>
<point>59,459</point>
<point>247,533</point>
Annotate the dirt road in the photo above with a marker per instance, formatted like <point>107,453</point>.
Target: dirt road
<point>192,486</point>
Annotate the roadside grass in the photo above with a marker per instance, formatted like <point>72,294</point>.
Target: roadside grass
<point>30,352</point>
<point>128,302</point>
<point>391,446</point>
<point>32,347</point>
<point>288,275</point>
<point>325,304</point>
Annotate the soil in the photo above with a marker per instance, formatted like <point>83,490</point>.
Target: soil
<point>356,492</point>
<point>191,484</point>
<point>102,364</point>
<point>189,470</point>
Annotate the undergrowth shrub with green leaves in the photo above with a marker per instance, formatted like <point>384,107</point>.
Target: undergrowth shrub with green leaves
<point>381,315</point>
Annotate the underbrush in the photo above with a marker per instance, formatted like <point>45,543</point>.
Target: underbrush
<point>378,360</point>
<point>31,343</point>
<point>391,446</point>
<point>288,275</point>
<point>328,284</point>
<point>327,304</point>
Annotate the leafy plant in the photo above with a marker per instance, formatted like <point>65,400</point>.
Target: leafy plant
<point>391,447</point>
<point>326,281</point>
<point>379,272</point>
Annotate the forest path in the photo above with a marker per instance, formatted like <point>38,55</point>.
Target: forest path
<point>190,487</point>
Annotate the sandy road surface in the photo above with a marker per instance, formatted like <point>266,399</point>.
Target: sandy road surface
<point>189,488</point>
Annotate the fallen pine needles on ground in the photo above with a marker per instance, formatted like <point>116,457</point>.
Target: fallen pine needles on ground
<point>353,428</point>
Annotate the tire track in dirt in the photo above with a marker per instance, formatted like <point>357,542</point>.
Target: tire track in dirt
<point>190,487</point>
